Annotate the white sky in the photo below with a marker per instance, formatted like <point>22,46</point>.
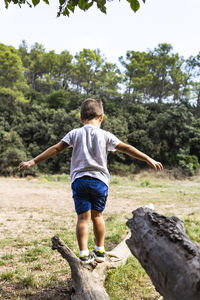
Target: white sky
<point>158,21</point>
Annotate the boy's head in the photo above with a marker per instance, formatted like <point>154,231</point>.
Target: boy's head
<point>91,109</point>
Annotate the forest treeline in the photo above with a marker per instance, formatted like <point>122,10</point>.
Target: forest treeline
<point>151,100</point>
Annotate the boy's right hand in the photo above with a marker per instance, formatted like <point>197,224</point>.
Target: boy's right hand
<point>26,164</point>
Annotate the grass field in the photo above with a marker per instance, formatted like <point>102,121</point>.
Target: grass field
<point>32,210</point>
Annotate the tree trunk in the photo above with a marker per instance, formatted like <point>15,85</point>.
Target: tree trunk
<point>169,257</point>
<point>88,279</point>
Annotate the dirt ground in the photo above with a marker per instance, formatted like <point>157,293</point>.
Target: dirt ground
<point>31,208</point>
<point>25,203</point>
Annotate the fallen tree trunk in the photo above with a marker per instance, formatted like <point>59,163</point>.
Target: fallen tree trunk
<point>169,257</point>
<point>88,279</point>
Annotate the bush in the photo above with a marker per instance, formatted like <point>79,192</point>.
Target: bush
<point>10,160</point>
<point>188,163</point>
<point>122,169</point>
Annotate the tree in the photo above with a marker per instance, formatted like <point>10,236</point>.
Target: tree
<point>46,71</point>
<point>11,68</point>
<point>64,69</point>
<point>156,75</point>
<point>193,65</point>
<point>137,76</point>
<point>174,131</point>
<point>11,152</point>
<point>151,111</point>
<point>169,80</point>
<point>67,6</point>
<point>93,75</point>
<point>34,63</point>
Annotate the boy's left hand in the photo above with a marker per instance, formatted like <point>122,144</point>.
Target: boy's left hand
<point>154,164</point>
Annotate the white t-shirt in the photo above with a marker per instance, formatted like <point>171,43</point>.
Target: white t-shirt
<point>90,148</point>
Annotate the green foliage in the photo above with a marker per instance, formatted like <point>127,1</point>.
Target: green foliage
<point>174,129</point>
<point>57,99</point>
<point>119,168</point>
<point>137,76</point>
<point>189,163</point>
<point>193,67</point>
<point>65,7</point>
<point>157,75</point>
<point>147,105</point>
<point>11,68</point>
<point>12,152</point>
<point>92,74</point>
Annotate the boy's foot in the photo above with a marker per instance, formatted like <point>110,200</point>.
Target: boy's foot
<point>99,255</point>
<point>86,259</point>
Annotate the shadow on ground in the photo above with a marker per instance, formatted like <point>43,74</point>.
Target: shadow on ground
<point>50,293</point>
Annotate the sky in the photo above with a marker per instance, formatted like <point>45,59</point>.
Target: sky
<point>176,22</point>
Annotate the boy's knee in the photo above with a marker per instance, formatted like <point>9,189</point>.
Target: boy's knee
<point>96,214</point>
<point>86,216</point>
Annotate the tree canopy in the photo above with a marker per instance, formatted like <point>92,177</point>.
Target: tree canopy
<point>65,7</point>
<point>151,100</point>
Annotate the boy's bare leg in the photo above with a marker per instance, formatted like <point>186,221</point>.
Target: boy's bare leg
<point>82,230</point>
<point>98,227</point>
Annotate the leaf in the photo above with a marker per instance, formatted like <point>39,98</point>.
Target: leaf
<point>70,7</point>
<point>144,1</point>
<point>66,12</point>
<point>101,5</point>
<point>35,2</point>
<point>62,2</point>
<point>135,5</point>
<point>46,1</point>
<point>89,5</point>
<point>82,4</point>
<point>103,9</point>
<point>6,3</point>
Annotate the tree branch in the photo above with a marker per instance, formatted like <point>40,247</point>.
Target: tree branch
<point>88,279</point>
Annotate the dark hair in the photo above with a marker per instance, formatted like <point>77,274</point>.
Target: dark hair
<point>91,109</point>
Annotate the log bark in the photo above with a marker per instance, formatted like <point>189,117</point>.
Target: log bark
<point>88,279</point>
<point>169,257</point>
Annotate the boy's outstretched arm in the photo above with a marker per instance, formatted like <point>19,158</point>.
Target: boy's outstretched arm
<point>51,151</point>
<point>135,153</point>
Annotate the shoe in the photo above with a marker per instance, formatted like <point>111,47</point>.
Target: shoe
<point>99,255</point>
<point>86,259</point>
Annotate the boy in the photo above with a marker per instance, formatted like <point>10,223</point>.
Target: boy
<point>89,174</point>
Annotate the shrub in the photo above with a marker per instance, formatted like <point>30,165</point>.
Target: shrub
<point>122,169</point>
<point>188,163</point>
<point>10,160</point>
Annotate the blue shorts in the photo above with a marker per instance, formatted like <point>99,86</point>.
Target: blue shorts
<point>89,193</point>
